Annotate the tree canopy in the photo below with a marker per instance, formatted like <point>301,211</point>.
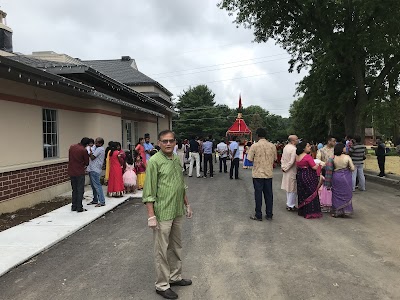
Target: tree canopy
<point>199,115</point>
<point>351,47</point>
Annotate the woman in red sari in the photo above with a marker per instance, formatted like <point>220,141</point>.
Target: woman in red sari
<point>115,186</point>
<point>307,183</point>
<point>140,149</point>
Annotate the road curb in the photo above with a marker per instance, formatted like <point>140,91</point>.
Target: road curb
<point>390,180</point>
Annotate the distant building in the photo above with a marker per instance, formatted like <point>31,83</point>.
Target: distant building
<point>49,101</point>
<point>371,135</point>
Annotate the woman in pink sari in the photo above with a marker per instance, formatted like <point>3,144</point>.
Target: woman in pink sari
<point>140,149</point>
<point>307,183</point>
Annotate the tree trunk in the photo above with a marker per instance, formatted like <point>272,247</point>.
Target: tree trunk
<point>349,121</point>
<point>360,116</point>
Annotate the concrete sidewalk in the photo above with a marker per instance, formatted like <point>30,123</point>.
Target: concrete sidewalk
<point>20,243</point>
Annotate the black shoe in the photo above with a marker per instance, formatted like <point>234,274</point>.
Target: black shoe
<point>268,218</point>
<point>220,171</point>
<point>92,203</point>
<point>190,176</point>
<point>225,171</point>
<point>73,209</point>
<point>230,177</point>
<point>168,294</point>
<point>237,178</point>
<point>182,282</point>
<point>255,218</point>
<point>81,210</point>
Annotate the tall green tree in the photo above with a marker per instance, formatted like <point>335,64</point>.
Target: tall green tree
<point>359,36</point>
<point>199,115</point>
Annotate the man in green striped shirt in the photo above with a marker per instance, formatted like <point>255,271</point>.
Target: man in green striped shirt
<point>165,197</point>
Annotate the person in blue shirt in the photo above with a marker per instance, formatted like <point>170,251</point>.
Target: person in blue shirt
<point>207,150</point>
<point>147,146</point>
<point>234,156</point>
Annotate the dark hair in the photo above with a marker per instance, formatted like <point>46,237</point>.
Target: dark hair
<point>300,147</point>
<point>165,132</point>
<point>129,158</point>
<point>113,147</point>
<point>338,150</point>
<point>261,132</point>
<point>330,137</point>
<point>110,143</point>
<point>91,141</point>
<point>138,143</point>
<point>248,144</point>
<point>118,144</point>
<point>349,137</point>
<point>85,141</point>
<point>179,143</point>
<point>100,140</point>
<point>357,138</point>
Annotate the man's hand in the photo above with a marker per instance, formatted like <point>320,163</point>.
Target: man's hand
<point>152,222</point>
<point>189,212</point>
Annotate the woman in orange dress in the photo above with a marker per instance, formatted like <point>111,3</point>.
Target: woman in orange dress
<point>140,149</point>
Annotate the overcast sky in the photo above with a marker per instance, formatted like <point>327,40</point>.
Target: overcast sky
<point>168,39</point>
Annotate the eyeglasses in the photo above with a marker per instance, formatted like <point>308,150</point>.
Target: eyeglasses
<point>165,142</point>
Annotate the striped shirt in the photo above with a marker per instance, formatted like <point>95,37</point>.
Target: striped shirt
<point>165,187</point>
<point>357,153</point>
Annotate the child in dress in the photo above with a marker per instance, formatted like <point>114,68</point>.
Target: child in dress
<point>325,186</point>
<point>140,171</point>
<point>129,176</point>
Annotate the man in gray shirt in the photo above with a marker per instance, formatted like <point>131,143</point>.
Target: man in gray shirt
<point>97,154</point>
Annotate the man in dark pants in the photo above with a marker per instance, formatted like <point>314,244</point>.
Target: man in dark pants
<point>380,152</point>
<point>78,160</point>
<point>222,150</point>
<point>207,149</point>
<point>263,154</point>
<point>235,155</point>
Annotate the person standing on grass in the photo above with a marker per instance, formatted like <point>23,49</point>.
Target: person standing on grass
<point>165,197</point>
<point>235,156</point>
<point>94,169</point>
<point>263,154</point>
<point>380,153</point>
<point>78,160</point>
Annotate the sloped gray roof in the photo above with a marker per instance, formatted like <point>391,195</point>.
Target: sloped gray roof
<point>40,63</point>
<point>123,71</point>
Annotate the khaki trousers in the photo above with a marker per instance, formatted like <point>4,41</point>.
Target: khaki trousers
<point>167,252</point>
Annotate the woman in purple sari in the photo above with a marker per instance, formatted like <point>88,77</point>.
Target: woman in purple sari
<point>307,183</point>
<point>342,189</point>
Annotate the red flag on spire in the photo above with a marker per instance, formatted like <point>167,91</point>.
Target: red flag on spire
<point>240,102</point>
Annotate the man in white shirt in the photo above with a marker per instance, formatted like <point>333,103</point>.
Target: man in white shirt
<point>222,149</point>
<point>289,169</point>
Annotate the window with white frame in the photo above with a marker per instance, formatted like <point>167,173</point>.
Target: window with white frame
<point>50,133</point>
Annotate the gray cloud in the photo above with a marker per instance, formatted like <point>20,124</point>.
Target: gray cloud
<point>163,36</point>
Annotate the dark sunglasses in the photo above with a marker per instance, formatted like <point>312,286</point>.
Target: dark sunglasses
<point>165,142</point>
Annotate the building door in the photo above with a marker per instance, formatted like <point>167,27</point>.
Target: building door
<point>129,134</point>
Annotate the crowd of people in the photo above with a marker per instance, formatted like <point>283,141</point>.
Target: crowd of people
<point>323,181</point>
<point>318,178</point>
<point>124,171</point>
